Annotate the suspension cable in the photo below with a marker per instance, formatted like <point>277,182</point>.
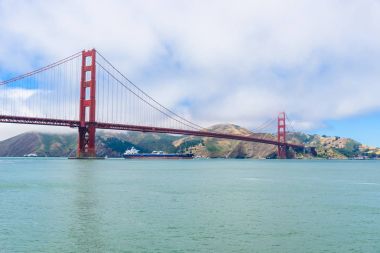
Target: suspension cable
<point>147,102</point>
<point>155,101</point>
<point>41,69</point>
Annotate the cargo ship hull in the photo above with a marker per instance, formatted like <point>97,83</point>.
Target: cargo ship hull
<point>158,156</point>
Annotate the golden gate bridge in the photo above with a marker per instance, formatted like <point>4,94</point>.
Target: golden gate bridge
<point>87,92</point>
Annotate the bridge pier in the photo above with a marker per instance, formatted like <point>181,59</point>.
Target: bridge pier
<point>87,104</point>
<point>86,142</point>
<point>282,152</point>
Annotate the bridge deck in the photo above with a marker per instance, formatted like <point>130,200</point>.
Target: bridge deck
<point>100,125</point>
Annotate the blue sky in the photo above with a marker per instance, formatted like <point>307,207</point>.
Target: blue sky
<point>363,128</point>
<point>219,61</point>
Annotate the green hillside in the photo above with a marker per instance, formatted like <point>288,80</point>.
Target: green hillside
<point>113,144</point>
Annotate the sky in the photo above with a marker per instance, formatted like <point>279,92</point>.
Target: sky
<point>222,61</point>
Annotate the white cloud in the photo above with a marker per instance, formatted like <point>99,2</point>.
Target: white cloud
<point>17,94</point>
<point>216,61</point>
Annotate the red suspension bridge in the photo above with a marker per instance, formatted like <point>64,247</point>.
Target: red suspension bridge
<point>87,92</point>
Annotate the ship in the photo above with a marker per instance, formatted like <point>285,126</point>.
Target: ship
<point>134,154</point>
<point>31,155</point>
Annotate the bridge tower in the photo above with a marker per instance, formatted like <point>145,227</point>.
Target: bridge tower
<point>281,135</point>
<point>86,139</point>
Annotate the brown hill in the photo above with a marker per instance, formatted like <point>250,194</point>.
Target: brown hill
<point>114,143</point>
<point>211,147</point>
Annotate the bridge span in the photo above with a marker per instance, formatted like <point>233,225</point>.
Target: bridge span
<point>89,93</point>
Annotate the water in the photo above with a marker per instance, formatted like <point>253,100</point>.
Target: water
<point>60,205</point>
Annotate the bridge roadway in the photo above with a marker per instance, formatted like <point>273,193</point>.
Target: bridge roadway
<point>100,125</point>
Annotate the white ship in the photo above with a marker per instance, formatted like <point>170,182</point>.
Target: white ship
<point>134,154</point>
<point>30,155</point>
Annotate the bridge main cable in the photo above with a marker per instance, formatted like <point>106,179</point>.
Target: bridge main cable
<point>41,69</point>
<point>154,107</point>
<point>194,126</point>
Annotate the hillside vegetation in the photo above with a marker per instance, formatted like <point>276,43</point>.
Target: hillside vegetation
<point>113,144</point>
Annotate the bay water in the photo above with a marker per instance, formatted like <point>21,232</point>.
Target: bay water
<point>116,205</point>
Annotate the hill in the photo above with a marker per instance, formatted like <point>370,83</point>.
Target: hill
<point>214,148</point>
<point>113,144</point>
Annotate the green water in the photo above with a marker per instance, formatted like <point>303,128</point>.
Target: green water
<point>60,205</point>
